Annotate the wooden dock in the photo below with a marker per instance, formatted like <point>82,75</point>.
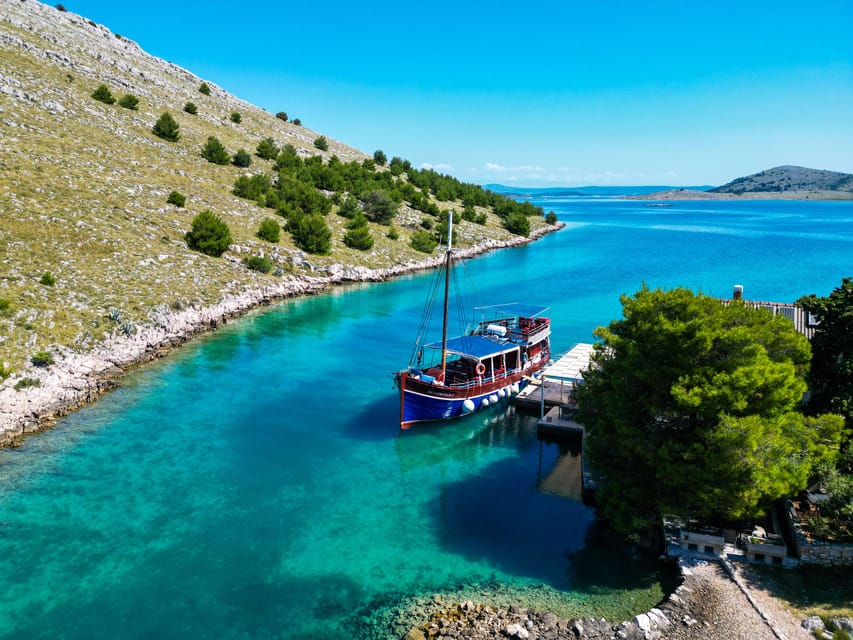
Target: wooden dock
<point>552,396</point>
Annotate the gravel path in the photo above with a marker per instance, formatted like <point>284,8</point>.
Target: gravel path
<point>726,612</point>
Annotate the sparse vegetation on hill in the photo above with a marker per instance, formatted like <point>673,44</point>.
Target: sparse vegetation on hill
<point>789,178</point>
<point>91,194</point>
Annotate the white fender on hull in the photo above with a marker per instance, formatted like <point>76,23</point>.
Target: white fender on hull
<point>468,405</point>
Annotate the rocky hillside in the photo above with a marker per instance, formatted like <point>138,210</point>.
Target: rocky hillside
<point>89,246</point>
<point>789,178</point>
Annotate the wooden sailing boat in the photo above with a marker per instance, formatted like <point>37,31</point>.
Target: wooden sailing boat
<point>461,375</point>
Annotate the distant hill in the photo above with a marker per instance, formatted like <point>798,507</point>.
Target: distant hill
<point>789,178</point>
<point>590,191</point>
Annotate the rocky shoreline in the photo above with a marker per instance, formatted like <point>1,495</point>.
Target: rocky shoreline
<point>712,602</point>
<point>77,379</point>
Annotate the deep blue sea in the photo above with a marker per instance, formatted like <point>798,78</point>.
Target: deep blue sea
<point>255,483</point>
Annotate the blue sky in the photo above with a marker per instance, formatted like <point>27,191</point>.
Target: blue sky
<point>543,93</point>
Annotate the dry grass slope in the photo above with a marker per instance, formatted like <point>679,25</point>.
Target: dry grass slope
<point>83,188</point>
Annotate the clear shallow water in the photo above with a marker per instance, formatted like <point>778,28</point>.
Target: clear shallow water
<point>255,483</point>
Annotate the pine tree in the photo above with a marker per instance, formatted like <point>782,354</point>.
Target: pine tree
<point>358,234</point>
<point>167,128</point>
<point>103,94</point>
<point>215,152</point>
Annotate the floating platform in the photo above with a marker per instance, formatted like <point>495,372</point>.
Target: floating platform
<point>559,420</point>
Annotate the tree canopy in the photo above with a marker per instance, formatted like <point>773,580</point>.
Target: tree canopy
<point>831,375</point>
<point>691,407</point>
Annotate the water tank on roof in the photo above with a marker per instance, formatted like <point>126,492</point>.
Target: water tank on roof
<point>496,330</point>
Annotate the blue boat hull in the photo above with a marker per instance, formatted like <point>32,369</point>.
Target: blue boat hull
<point>420,407</point>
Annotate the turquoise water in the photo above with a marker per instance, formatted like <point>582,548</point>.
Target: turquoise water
<point>255,483</point>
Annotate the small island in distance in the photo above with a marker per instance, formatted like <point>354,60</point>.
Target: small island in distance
<point>779,183</point>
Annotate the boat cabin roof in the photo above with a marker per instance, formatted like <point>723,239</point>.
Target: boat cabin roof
<point>511,309</point>
<point>477,347</point>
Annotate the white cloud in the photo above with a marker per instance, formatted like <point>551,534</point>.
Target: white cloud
<point>527,168</point>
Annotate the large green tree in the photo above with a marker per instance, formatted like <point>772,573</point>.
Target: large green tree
<point>831,375</point>
<point>691,407</point>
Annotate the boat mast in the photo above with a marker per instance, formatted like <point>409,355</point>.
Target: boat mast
<point>447,265</point>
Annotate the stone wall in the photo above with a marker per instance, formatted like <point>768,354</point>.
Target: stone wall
<point>817,552</point>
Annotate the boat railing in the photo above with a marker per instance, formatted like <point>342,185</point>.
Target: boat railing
<point>502,374</point>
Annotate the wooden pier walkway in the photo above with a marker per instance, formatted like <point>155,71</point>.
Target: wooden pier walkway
<point>552,396</point>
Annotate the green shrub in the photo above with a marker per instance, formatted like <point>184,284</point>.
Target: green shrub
<point>23,383</point>
<point>177,199</point>
<point>5,371</point>
<point>252,187</point>
<point>380,207</point>
<point>258,263</point>
<point>426,223</point>
<point>103,94</point>
<point>5,306</point>
<point>297,122</point>
<point>167,128</point>
<point>481,218</point>
<point>311,234</point>
<point>281,115</point>
<point>209,234</point>
<point>42,359</point>
<point>379,157</point>
<point>392,234</point>
<point>469,214</point>
<point>61,7</point>
<point>269,230</point>
<point>191,108</point>
<point>204,88</point>
<point>358,234</point>
<point>242,158</point>
<point>551,218</point>
<point>236,118</point>
<point>424,241</point>
<point>215,152</point>
<point>322,143</point>
<point>397,168</point>
<point>47,279</point>
<point>267,149</point>
<point>517,223</point>
<point>349,207</point>
<point>129,101</point>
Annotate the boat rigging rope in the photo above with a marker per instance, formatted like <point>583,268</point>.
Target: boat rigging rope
<point>426,317</point>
